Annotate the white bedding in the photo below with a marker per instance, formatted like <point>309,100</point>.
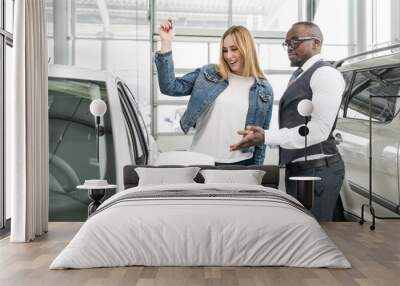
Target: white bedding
<point>200,231</point>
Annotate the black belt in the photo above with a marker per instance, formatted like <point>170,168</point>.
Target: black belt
<point>322,162</point>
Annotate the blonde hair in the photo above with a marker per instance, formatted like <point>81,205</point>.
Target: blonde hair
<point>247,49</point>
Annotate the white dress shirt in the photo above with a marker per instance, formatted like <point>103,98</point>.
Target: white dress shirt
<point>327,85</point>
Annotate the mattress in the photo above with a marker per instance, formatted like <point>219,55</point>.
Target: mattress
<point>201,225</point>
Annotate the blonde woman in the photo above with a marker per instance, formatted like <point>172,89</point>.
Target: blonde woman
<point>224,97</point>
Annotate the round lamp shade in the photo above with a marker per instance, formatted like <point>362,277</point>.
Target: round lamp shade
<point>305,107</point>
<point>98,107</point>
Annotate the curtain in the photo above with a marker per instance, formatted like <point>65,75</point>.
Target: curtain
<point>27,124</point>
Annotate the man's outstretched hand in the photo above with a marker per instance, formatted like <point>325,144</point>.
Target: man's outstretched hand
<point>252,135</point>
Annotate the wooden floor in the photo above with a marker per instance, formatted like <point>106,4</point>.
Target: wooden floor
<point>374,255</point>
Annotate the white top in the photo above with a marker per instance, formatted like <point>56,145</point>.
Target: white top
<point>185,158</point>
<point>217,128</point>
<point>327,85</point>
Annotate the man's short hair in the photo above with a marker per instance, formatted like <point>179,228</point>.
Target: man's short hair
<point>313,28</point>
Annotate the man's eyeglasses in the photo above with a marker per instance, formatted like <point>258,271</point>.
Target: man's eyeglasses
<point>296,42</point>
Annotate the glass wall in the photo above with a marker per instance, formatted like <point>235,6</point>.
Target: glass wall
<point>8,87</point>
<point>268,21</point>
<point>190,16</point>
<point>266,15</point>
<point>196,43</point>
<point>379,22</point>
<point>113,36</point>
<point>6,43</point>
<point>122,35</point>
<point>350,23</point>
<point>335,27</point>
<point>9,15</point>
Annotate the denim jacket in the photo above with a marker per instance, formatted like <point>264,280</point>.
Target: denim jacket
<point>204,85</point>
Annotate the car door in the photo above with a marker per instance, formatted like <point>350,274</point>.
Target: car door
<point>72,146</point>
<point>352,133</point>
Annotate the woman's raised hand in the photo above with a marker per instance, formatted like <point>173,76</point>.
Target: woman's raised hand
<point>167,31</point>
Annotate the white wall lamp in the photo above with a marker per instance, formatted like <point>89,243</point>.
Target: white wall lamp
<point>305,185</point>
<point>98,108</point>
<point>305,108</point>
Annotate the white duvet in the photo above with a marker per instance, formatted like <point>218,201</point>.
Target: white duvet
<point>200,231</point>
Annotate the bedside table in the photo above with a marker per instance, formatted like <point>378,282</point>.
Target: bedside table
<point>305,190</point>
<point>95,194</point>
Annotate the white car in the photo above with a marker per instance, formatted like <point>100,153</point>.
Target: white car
<point>376,76</point>
<point>124,138</point>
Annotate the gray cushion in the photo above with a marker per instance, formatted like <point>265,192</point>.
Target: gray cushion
<point>166,176</point>
<point>270,179</point>
<point>248,177</point>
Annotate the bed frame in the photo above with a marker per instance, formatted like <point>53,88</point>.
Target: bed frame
<point>270,179</point>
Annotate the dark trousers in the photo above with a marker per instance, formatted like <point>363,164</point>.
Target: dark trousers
<point>326,190</point>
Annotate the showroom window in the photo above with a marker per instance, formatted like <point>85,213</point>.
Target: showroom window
<point>199,26</point>
<point>268,22</point>
<point>112,37</point>
<point>6,44</point>
<point>121,36</point>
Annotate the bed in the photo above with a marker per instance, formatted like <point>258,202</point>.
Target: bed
<point>201,224</point>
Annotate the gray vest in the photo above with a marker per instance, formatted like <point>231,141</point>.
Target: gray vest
<point>289,117</point>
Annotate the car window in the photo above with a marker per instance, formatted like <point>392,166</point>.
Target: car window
<point>134,130</point>
<point>385,83</point>
<point>139,116</point>
<point>348,77</point>
<point>73,148</point>
<point>133,139</point>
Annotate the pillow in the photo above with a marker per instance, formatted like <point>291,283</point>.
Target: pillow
<point>163,176</point>
<point>248,177</point>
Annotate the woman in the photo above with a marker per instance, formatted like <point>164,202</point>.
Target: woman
<point>224,97</point>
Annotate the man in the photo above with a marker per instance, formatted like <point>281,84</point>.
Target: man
<point>319,82</point>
